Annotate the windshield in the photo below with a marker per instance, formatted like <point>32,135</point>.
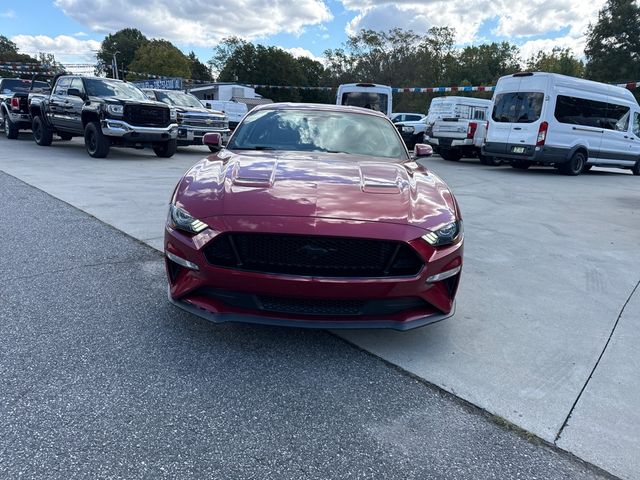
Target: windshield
<point>179,99</point>
<point>517,107</point>
<point>320,131</point>
<point>113,88</point>
<point>16,85</point>
<point>370,100</point>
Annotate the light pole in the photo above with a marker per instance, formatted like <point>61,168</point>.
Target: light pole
<point>114,65</point>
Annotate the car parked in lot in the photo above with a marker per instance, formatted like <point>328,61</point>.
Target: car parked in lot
<point>106,112</point>
<point>397,117</point>
<point>314,216</point>
<point>194,120</point>
<point>458,127</point>
<point>14,105</point>
<point>565,122</point>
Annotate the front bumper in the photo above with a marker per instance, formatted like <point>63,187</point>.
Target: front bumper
<point>229,295</point>
<point>122,129</point>
<point>191,135</point>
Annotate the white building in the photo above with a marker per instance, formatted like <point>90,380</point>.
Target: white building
<point>226,91</point>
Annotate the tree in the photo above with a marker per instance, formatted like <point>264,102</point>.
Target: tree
<point>199,71</point>
<point>9,53</point>
<point>613,43</point>
<point>124,43</point>
<point>159,57</point>
<point>484,64</point>
<point>559,60</point>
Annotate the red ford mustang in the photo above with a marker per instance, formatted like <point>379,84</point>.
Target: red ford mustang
<point>314,216</point>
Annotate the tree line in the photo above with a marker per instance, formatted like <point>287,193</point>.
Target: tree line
<point>395,57</point>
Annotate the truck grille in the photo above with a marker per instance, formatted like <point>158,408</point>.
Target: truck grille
<point>204,122</point>
<point>146,115</point>
<point>310,255</point>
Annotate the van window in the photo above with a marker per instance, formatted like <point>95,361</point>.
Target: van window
<point>517,107</point>
<point>370,100</point>
<point>636,124</point>
<point>591,113</point>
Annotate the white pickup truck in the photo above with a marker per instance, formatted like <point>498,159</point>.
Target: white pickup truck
<point>235,111</point>
<point>457,126</point>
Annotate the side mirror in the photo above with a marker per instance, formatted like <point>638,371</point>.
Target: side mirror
<point>422,150</point>
<point>213,141</point>
<point>74,92</point>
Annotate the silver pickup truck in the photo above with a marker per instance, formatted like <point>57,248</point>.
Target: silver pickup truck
<point>194,120</point>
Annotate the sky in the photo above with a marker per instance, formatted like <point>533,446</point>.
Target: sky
<point>73,29</point>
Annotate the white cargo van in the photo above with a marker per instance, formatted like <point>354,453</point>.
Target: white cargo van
<point>367,95</point>
<point>456,126</point>
<point>569,123</point>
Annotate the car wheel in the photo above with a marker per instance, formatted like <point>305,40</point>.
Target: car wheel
<point>636,168</point>
<point>95,141</point>
<point>42,134</point>
<point>166,149</point>
<point>520,165</point>
<point>575,165</point>
<point>10,128</point>
<point>453,155</point>
<point>65,136</point>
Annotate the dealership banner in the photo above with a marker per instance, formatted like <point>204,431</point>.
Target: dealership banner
<point>170,83</point>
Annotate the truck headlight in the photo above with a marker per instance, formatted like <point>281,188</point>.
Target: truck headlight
<point>444,235</point>
<point>115,110</point>
<point>182,220</point>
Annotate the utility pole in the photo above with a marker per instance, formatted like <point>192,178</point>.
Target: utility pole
<point>114,66</point>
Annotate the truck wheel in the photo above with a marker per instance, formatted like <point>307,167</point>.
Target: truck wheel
<point>166,149</point>
<point>636,168</point>
<point>65,136</point>
<point>42,134</point>
<point>10,128</point>
<point>453,155</point>
<point>574,166</point>
<point>95,141</point>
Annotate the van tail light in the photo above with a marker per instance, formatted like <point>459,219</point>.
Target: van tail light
<point>471,129</point>
<point>15,103</point>
<point>542,134</point>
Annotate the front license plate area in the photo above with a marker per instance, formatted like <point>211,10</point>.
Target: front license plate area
<point>517,149</point>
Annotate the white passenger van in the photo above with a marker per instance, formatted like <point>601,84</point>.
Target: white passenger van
<point>569,123</point>
<point>456,126</point>
<point>367,95</point>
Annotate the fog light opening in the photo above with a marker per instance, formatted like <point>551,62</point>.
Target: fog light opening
<point>181,261</point>
<point>443,275</point>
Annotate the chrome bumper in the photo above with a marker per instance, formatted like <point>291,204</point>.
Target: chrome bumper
<point>20,117</point>
<point>190,132</point>
<point>120,128</point>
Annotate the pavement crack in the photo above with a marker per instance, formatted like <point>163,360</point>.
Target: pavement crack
<point>593,370</point>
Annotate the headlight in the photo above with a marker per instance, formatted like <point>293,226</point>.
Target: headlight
<point>445,235</point>
<point>182,220</point>
<point>174,114</point>
<point>116,110</point>
<point>408,129</point>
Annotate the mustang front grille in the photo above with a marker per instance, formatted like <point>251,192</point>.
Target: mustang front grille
<point>309,255</point>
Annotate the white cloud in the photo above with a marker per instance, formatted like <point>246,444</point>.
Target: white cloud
<point>8,14</point>
<point>198,22</point>
<point>562,22</point>
<point>303,52</point>
<point>64,47</point>
<point>80,34</point>
<point>532,47</point>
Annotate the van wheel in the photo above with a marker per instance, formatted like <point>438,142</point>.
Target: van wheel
<point>95,141</point>
<point>636,168</point>
<point>10,128</point>
<point>42,134</point>
<point>575,165</point>
<point>166,149</point>
<point>453,155</point>
<point>520,165</point>
<point>586,168</point>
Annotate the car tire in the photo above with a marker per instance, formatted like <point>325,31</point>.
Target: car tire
<point>10,128</point>
<point>65,136</point>
<point>42,134</point>
<point>636,168</point>
<point>520,165</point>
<point>452,155</point>
<point>586,168</point>
<point>166,149</point>
<point>575,165</point>
<point>96,143</point>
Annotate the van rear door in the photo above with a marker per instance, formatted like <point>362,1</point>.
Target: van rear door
<point>517,116</point>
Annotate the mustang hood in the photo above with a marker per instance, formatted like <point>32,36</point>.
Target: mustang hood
<point>320,185</point>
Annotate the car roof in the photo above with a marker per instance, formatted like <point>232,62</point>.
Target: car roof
<point>323,107</point>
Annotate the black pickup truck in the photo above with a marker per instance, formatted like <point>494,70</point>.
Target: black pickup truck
<point>14,107</point>
<point>106,112</point>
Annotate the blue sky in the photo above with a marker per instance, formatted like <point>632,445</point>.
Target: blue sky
<point>73,29</point>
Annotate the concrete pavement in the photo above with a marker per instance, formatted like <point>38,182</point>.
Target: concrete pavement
<point>550,262</point>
